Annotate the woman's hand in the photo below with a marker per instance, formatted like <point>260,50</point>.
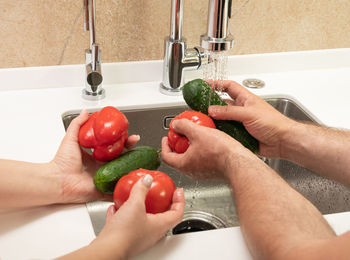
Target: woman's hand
<point>76,167</point>
<point>260,119</point>
<point>130,230</point>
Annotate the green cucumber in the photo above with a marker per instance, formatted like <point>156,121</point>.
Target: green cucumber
<point>107,176</point>
<point>199,96</point>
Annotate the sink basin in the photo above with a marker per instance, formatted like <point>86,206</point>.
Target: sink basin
<point>209,204</point>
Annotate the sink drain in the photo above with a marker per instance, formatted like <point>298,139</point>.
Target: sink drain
<point>253,83</point>
<point>194,221</point>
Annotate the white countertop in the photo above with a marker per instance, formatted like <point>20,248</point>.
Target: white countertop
<point>32,101</point>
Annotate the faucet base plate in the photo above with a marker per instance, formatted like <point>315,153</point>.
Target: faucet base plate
<point>93,95</point>
<point>170,91</point>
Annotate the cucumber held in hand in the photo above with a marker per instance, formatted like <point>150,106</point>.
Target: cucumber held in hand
<point>199,96</point>
<point>107,176</point>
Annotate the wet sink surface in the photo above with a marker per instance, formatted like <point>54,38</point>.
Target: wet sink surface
<point>209,204</point>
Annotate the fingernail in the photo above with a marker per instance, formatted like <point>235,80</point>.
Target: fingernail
<point>180,191</point>
<point>114,210</point>
<point>138,137</point>
<point>174,124</point>
<point>147,180</point>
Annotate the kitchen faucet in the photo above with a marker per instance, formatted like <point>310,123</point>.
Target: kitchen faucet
<point>93,84</point>
<point>178,58</point>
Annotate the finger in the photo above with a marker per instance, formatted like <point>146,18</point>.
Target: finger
<point>236,113</point>
<point>74,126</point>
<point>110,213</point>
<point>165,145</point>
<point>132,141</point>
<point>231,87</point>
<point>175,214</point>
<point>178,200</point>
<point>171,158</point>
<point>140,189</point>
<point>184,127</point>
<point>210,82</point>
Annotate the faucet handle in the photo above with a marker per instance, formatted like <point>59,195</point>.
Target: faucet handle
<point>93,69</point>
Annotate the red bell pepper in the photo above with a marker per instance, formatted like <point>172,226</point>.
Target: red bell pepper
<point>180,143</point>
<point>105,132</point>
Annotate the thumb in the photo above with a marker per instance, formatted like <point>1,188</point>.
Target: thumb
<point>140,189</point>
<point>237,113</point>
<point>76,123</point>
<point>110,213</point>
<point>184,127</point>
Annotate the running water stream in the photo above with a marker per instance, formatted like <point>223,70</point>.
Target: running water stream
<point>215,70</point>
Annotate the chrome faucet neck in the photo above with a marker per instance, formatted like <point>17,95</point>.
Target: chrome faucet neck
<point>176,20</point>
<point>93,82</point>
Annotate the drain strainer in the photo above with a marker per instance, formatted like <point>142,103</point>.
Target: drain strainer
<point>194,221</point>
<point>253,83</point>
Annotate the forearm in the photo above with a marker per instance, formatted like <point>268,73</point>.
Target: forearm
<point>320,149</point>
<point>274,218</point>
<point>90,253</point>
<point>99,250</point>
<point>24,184</point>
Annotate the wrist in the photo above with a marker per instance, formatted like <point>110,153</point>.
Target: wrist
<point>284,133</point>
<point>238,162</point>
<point>51,169</point>
<point>291,142</point>
<point>245,172</point>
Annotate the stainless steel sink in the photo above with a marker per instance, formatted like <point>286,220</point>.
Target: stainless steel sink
<point>209,204</point>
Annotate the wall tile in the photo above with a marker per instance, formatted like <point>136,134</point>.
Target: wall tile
<point>42,32</point>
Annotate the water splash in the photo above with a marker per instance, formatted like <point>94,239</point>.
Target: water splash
<point>216,69</point>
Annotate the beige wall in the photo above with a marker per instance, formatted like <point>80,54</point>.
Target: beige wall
<point>47,32</point>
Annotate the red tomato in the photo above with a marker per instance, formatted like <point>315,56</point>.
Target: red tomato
<point>159,197</point>
<point>105,132</point>
<point>180,143</point>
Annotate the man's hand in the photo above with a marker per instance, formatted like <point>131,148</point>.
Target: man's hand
<point>260,119</point>
<point>210,154</point>
<point>76,167</point>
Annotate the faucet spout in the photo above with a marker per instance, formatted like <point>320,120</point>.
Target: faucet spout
<point>218,37</point>
<point>177,57</point>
